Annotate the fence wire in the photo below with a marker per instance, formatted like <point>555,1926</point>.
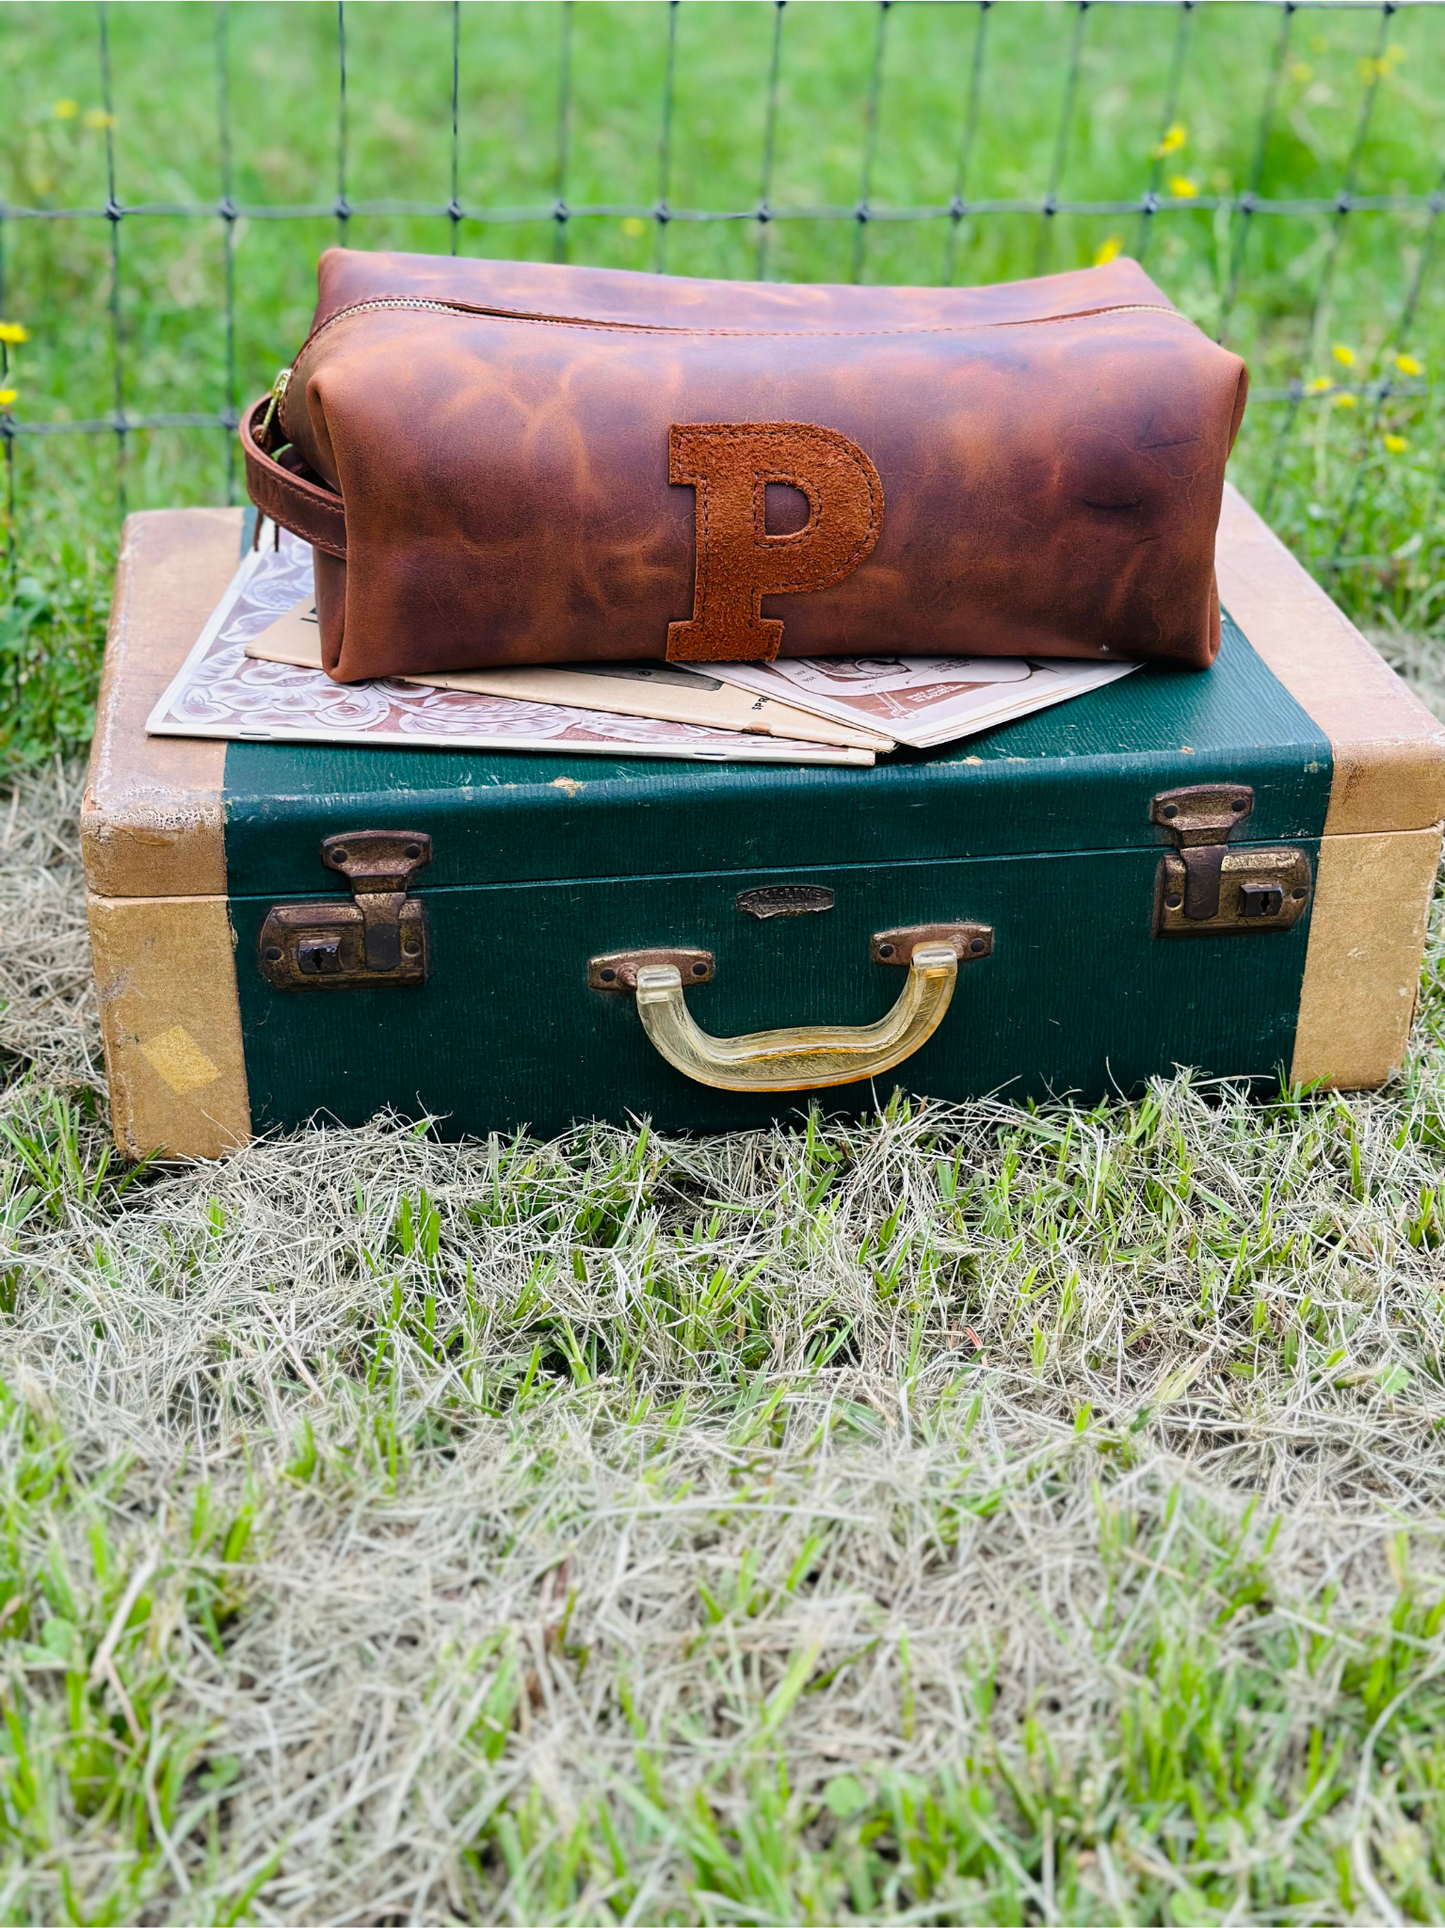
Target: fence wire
<point>126,222</point>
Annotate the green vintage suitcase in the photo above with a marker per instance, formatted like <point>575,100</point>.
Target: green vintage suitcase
<point>1227,870</point>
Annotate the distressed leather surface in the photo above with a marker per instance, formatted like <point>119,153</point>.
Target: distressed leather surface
<point>1050,456</point>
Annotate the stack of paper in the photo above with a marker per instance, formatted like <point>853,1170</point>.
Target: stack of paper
<point>255,675</point>
<point>665,691</point>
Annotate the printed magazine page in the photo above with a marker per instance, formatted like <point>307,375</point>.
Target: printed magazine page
<point>921,700</point>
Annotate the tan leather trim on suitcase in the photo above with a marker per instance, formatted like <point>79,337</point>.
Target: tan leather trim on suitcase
<point>1389,751</point>
<point>152,822</point>
<point>1362,968</point>
<point>165,968</point>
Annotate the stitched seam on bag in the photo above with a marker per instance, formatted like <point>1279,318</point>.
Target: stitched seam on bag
<point>767,477</point>
<point>285,479</point>
<point>420,304</point>
<point>298,502</point>
<point>733,433</point>
<point>316,522</point>
<point>267,468</point>
<point>708,622</point>
<point>301,526</point>
<point>310,511</point>
<point>741,431</point>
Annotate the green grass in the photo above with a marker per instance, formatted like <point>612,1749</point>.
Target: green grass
<point>965,1516</point>
<point>1364,514</point>
<point>973,1515</point>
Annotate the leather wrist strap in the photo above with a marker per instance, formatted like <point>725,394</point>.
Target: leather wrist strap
<point>307,508</point>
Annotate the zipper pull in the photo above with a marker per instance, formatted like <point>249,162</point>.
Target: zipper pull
<point>278,389</point>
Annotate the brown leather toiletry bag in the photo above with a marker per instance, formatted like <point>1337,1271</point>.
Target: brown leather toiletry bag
<point>512,462</point>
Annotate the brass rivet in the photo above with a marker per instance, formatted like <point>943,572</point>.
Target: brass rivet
<point>338,856</point>
<point>1240,803</point>
<point>977,945</point>
<point>1173,903</point>
<point>1170,810</point>
<point>1301,892</point>
<point>699,970</point>
<point>273,954</point>
<point>608,975</point>
<point>885,950</point>
<point>413,850</point>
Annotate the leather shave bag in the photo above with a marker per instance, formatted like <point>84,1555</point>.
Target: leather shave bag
<point>513,462</point>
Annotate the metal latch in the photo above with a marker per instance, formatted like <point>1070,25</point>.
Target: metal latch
<point>1204,888</point>
<point>380,937</point>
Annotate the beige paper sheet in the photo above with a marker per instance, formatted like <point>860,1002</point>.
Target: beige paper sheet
<point>659,690</point>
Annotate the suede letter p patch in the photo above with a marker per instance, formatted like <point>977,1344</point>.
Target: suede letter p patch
<point>730,465</point>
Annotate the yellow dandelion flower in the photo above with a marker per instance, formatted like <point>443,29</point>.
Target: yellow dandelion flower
<point>1173,139</point>
<point>1345,401</point>
<point>1181,187</point>
<point>1302,71</point>
<point>12,333</point>
<point>1321,385</point>
<point>1406,364</point>
<point>1344,356</point>
<point>633,225</point>
<point>1396,444</point>
<point>1107,250</point>
<point>7,396</point>
<point>66,109</point>
<point>97,117</point>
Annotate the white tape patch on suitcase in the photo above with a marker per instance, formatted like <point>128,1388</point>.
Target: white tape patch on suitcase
<point>176,1057</point>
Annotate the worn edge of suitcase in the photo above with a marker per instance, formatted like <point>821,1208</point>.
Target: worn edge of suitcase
<point>153,835</point>
<point>1381,846</point>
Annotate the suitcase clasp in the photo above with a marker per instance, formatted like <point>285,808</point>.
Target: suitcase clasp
<point>380,937</point>
<point>1205,889</point>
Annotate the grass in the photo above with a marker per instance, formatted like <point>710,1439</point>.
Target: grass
<point>974,1515</point>
<point>1289,290</point>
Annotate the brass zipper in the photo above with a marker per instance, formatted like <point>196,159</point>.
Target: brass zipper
<point>423,304</point>
<point>283,378</point>
<point>278,389</point>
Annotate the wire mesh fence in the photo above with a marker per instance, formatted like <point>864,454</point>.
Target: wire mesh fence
<point>1279,166</point>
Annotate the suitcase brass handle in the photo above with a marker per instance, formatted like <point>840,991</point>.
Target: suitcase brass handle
<point>799,1057</point>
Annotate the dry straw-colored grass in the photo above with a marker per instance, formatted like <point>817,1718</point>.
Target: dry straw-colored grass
<point>969,1516</point>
